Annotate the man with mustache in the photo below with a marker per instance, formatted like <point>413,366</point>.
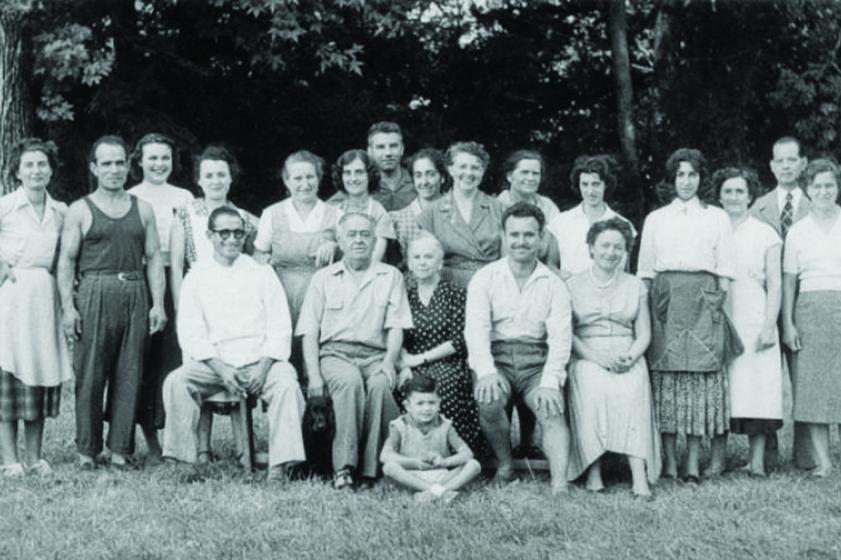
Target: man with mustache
<point>385,146</point>
<point>352,321</point>
<point>518,330</point>
<point>110,243</point>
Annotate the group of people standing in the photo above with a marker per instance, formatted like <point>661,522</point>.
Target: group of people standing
<point>411,287</point>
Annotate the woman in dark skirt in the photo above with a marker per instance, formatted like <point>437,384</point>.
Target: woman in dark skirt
<point>435,345</point>
<point>812,309</point>
<point>34,359</point>
<point>687,257</point>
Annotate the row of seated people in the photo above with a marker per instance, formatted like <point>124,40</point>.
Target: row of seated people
<point>688,261</point>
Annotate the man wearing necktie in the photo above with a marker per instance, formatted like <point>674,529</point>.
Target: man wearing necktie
<point>780,208</point>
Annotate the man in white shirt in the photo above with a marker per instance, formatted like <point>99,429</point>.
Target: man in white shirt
<point>518,330</point>
<point>235,331</point>
<point>780,208</point>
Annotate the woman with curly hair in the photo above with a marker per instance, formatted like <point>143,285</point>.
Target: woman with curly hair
<point>756,377</point>
<point>592,178</point>
<point>466,221</point>
<point>687,259</point>
<point>34,359</point>
<point>356,177</point>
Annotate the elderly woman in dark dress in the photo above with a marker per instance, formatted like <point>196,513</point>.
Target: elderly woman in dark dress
<point>687,259</point>
<point>435,345</point>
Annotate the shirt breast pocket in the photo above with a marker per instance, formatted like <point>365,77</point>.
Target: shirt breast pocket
<point>333,306</point>
<point>382,291</point>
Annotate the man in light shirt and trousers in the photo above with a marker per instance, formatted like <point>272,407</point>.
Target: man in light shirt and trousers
<point>518,331</point>
<point>235,331</point>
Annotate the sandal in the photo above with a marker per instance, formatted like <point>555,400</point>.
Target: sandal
<point>205,457</point>
<point>342,479</point>
<point>41,468</point>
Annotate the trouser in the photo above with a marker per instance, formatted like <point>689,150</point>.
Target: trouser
<point>185,388</point>
<point>115,315</point>
<point>362,403</point>
<point>163,355</point>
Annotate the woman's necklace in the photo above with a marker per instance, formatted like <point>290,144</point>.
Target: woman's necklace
<point>600,284</point>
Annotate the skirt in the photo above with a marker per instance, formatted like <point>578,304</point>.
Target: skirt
<point>611,412</point>
<point>24,402</point>
<point>691,403</point>
<point>816,375</point>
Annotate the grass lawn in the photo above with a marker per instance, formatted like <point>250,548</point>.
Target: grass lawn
<point>152,514</point>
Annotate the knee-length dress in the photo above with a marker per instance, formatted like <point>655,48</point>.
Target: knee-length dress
<point>609,412</point>
<point>687,247</point>
<point>814,256</point>
<point>756,377</point>
<point>293,242</point>
<point>34,358</point>
<point>439,321</point>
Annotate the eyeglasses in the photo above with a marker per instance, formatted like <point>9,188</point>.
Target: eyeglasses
<point>224,234</point>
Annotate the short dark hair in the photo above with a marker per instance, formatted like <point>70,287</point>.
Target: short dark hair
<point>514,159</point>
<point>666,189</point>
<point>437,159</point>
<point>32,144</point>
<point>111,140</point>
<point>822,165</point>
<point>603,165</point>
<point>222,211</point>
<point>303,156</point>
<point>420,383</point>
<point>472,148</point>
<point>216,152</point>
<point>524,210</point>
<point>151,138</point>
<point>384,127</point>
<point>370,167</point>
<point>735,172</point>
<point>789,140</point>
<point>612,224</point>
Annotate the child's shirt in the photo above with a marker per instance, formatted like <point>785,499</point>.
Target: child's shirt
<point>405,438</point>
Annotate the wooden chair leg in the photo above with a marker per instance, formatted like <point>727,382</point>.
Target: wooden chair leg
<point>246,427</point>
<point>204,429</point>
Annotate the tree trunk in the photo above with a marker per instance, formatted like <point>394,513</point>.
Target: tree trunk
<point>15,73</point>
<point>617,29</point>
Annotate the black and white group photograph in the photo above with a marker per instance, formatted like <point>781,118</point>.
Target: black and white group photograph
<point>467,279</point>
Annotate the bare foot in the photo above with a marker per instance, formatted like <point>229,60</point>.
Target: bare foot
<point>449,496</point>
<point>424,497</point>
<point>821,472</point>
<point>560,489</point>
<point>504,475</point>
<point>713,471</point>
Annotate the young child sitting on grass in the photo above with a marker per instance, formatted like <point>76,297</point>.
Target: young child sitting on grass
<point>423,450</point>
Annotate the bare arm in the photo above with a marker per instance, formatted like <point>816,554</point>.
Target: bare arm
<point>379,249</point>
<point>71,242</point>
<point>177,256</point>
<point>154,269</point>
<point>393,344</point>
<point>791,337</point>
<point>310,350</point>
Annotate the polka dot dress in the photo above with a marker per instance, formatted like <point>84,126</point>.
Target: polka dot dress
<point>442,320</point>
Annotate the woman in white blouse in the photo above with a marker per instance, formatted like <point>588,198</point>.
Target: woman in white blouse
<point>592,177</point>
<point>812,309</point>
<point>687,259</point>
<point>756,377</point>
<point>34,360</point>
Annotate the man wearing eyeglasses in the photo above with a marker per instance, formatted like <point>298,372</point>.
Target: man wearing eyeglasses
<point>352,322</point>
<point>234,328</point>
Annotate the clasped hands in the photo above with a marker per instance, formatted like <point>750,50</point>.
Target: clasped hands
<point>615,362</point>
<point>430,461</point>
<point>242,381</point>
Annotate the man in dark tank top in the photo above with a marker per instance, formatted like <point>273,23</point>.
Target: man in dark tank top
<point>110,245</point>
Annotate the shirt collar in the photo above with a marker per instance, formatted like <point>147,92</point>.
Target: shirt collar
<point>679,205</point>
<point>540,271</point>
<point>608,212</point>
<point>21,200</point>
<point>796,195</point>
<point>447,203</point>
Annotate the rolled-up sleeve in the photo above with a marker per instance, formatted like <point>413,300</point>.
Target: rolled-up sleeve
<point>278,341</point>
<point>309,321</point>
<point>558,337</point>
<point>193,335</point>
<point>645,261</point>
<point>477,326</point>
<point>398,315</point>
<point>725,249</point>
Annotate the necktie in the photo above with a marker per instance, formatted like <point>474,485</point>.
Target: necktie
<point>787,215</point>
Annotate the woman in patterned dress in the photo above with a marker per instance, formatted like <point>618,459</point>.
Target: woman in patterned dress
<point>435,345</point>
<point>34,360</point>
